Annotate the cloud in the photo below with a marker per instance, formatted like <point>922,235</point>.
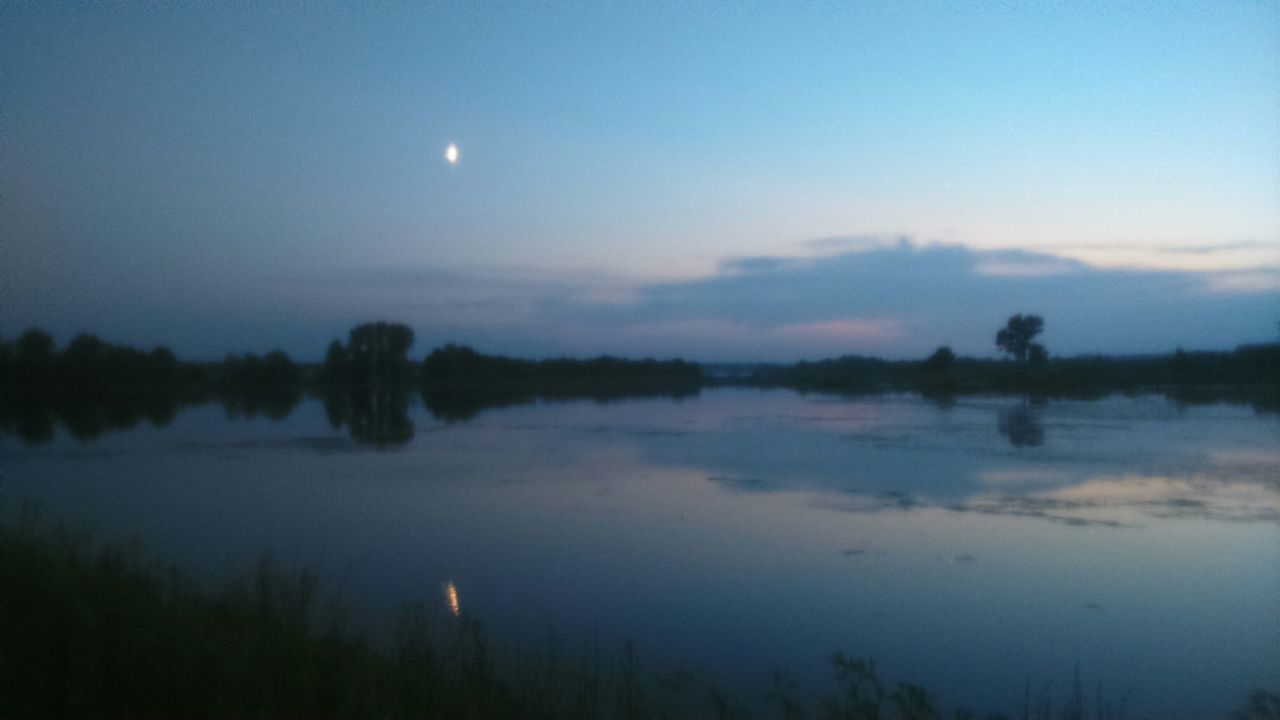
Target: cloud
<point>905,299</point>
<point>852,243</point>
<point>888,297</point>
<point>868,331</point>
<point>1228,256</point>
<point>1015,263</point>
<point>1203,249</point>
<point>735,266</point>
<point>1244,281</point>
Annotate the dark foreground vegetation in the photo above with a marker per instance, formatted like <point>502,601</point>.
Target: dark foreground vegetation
<point>91,386</point>
<point>89,630</point>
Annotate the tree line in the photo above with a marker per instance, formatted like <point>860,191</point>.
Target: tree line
<point>33,365</point>
<point>1249,373</point>
<point>91,385</point>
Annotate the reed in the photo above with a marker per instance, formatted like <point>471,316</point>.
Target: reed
<point>100,630</point>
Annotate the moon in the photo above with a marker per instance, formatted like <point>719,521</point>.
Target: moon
<point>451,154</point>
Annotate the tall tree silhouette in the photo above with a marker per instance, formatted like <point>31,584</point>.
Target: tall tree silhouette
<point>942,360</point>
<point>335,364</point>
<point>1015,338</point>
<point>375,354</point>
<point>34,347</point>
<point>366,384</point>
<point>938,376</point>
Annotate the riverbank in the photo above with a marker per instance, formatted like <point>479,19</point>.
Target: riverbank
<point>107,630</point>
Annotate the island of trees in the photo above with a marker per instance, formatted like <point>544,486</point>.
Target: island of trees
<point>91,385</point>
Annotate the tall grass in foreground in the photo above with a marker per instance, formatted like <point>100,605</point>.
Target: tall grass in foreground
<point>92,630</point>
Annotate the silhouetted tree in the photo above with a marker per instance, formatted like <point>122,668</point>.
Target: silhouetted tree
<point>1015,338</point>
<point>336,364</point>
<point>458,382</point>
<point>1036,354</point>
<point>162,365</point>
<point>378,352</point>
<point>375,354</point>
<point>83,359</point>
<point>85,349</point>
<point>90,386</point>
<point>274,369</point>
<point>34,347</point>
<point>942,360</point>
<point>938,377</point>
<point>270,385</point>
<point>453,363</point>
<point>365,384</point>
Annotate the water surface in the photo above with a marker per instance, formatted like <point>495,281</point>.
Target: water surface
<point>976,547</point>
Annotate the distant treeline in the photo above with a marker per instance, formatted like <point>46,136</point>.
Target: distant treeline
<point>1250,372</point>
<point>91,385</point>
<point>366,381</point>
<point>87,364</point>
<point>458,382</point>
<point>454,365</point>
<point>32,365</point>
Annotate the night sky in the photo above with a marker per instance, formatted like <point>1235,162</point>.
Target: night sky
<point>721,182</point>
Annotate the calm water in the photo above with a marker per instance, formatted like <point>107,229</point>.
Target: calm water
<point>974,549</point>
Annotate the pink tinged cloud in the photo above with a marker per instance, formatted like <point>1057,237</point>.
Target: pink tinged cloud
<point>723,339</point>
<point>857,333</point>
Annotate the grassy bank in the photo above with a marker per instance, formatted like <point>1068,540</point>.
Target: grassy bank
<point>93,630</point>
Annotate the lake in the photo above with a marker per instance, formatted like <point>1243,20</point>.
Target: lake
<point>984,548</point>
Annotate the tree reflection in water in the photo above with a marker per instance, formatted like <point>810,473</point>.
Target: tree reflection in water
<point>33,418</point>
<point>1021,425</point>
<point>375,415</point>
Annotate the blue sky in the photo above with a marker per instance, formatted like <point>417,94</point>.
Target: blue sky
<point>713,181</point>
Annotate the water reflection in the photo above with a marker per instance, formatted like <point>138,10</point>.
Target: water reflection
<point>461,404</point>
<point>1114,465</point>
<point>376,415</point>
<point>693,523</point>
<point>451,598</point>
<point>1102,501</point>
<point>1021,425</point>
<point>373,414</point>
<point>88,414</point>
<point>1108,502</point>
<point>33,418</point>
<point>276,402</point>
